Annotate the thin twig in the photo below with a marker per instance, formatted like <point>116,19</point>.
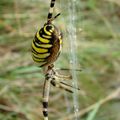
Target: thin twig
<point>110,97</point>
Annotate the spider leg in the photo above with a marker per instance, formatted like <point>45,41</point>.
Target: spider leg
<point>55,82</point>
<point>66,77</point>
<point>69,85</point>
<point>46,90</point>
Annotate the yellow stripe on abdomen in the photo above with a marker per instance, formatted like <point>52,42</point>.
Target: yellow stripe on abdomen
<point>43,45</point>
<point>39,50</point>
<point>43,56</point>
<point>47,36</point>
<point>39,62</point>
<point>43,40</point>
<point>37,59</point>
<point>48,33</point>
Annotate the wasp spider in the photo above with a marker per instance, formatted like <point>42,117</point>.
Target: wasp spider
<point>45,50</point>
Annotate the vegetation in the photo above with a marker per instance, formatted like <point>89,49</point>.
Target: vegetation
<point>98,56</point>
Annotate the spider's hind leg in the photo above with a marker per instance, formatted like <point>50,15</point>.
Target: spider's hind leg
<point>55,82</point>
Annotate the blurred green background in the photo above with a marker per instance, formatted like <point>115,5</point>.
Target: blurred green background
<point>98,54</point>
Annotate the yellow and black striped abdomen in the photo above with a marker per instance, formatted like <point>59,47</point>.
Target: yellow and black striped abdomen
<point>46,45</point>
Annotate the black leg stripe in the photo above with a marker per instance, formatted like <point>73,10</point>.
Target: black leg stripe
<point>45,104</point>
<point>49,15</point>
<point>69,90</point>
<point>45,113</point>
<point>47,77</point>
<point>53,83</point>
<point>52,4</point>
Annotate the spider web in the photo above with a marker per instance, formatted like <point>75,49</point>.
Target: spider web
<point>73,58</point>
<point>71,39</point>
